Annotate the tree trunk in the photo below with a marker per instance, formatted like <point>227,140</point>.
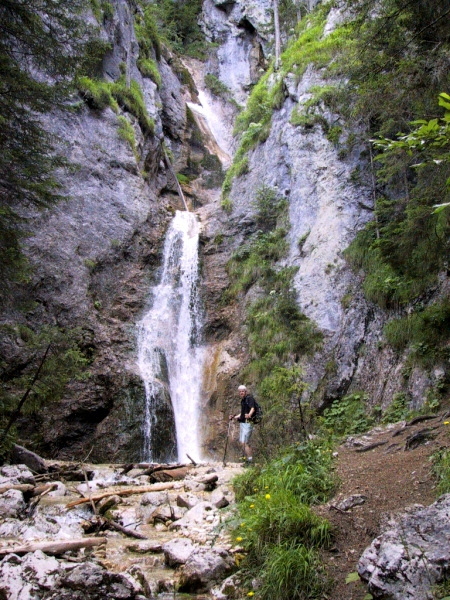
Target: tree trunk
<point>54,547</point>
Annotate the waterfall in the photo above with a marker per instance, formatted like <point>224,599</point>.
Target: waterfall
<point>170,357</point>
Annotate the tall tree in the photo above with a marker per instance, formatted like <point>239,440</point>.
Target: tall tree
<point>41,46</point>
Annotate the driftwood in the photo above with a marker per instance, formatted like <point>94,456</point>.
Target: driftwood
<point>156,468</point>
<point>54,547</point>
<point>420,419</point>
<point>110,524</point>
<point>169,475</point>
<point>26,488</point>
<point>420,437</point>
<point>370,446</point>
<point>40,490</point>
<point>192,460</point>
<point>157,487</point>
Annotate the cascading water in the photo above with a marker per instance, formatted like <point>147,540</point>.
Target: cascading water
<point>170,357</point>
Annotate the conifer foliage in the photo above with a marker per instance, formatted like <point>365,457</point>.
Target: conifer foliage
<point>40,49</point>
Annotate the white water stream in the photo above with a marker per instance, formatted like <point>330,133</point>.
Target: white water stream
<point>170,332</point>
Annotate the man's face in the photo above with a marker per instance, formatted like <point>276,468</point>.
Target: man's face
<point>242,393</point>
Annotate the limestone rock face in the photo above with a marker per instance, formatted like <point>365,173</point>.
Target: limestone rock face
<point>411,555</point>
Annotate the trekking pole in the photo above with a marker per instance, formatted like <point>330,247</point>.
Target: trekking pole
<point>226,443</point>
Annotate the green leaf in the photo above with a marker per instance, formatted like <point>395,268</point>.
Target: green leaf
<point>352,577</point>
<point>440,207</point>
<point>368,597</point>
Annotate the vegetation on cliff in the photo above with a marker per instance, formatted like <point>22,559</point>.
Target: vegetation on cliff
<point>42,44</point>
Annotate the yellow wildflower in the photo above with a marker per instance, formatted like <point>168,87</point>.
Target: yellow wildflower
<point>267,496</point>
<point>239,539</point>
<point>251,594</point>
<point>446,422</point>
<point>252,506</point>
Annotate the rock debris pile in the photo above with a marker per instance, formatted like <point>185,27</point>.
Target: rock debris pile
<point>116,532</point>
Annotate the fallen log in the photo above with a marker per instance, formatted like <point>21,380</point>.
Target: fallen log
<point>142,489</point>
<point>420,419</point>
<point>370,446</point>
<point>26,488</point>
<point>54,547</point>
<point>109,523</point>
<point>169,475</point>
<point>43,489</point>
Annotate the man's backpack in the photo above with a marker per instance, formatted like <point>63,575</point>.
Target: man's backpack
<point>258,414</point>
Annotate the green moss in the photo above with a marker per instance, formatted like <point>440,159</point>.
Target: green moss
<point>149,68</point>
<point>96,94</point>
<point>132,99</point>
<point>100,94</point>
<point>126,132</point>
<point>147,34</point>
<point>102,10</point>
<point>183,179</point>
<point>216,87</point>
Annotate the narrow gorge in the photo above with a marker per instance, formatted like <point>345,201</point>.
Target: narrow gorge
<point>218,212</point>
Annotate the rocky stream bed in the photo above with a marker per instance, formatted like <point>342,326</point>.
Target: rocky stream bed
<point>124,532</point>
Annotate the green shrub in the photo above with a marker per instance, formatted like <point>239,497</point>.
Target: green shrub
<point>147,34</point>
<point>398,409</point>
<point>102,10</point>
<point>424,331</point>
<point>348,415</point>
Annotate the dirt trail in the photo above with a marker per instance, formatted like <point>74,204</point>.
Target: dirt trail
<point>392,478</point>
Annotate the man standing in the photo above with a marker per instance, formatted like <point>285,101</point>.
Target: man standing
<point>244,418</point>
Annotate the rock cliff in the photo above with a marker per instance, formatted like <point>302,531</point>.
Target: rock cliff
<point>97,254</point>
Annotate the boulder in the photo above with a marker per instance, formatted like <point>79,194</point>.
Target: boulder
<point>154,498</point>
<point>187,500</point>
<point>229,589</point>
<point>204,567</point>
<point>20,455</point>
<point>92,581</point>
<point>16,474</point>
<point>351,501</point>
<point>58,490</point>
<point>195,516</point>
<point>194,486</point>
<point>11,504</point>
<point>411,555</point>
<point>219,499</point>
<point>177,551</point>
<point>106,504</point>
<point>28,577</point>
<point>162,514</point>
